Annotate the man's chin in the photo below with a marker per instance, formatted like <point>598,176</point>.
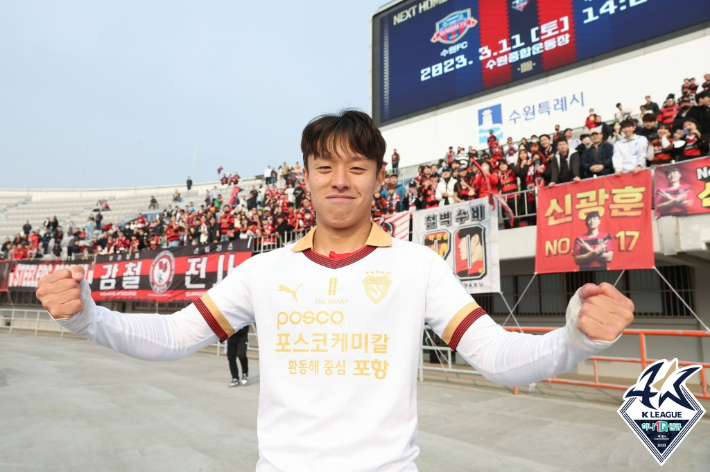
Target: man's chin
<point>342,220</point>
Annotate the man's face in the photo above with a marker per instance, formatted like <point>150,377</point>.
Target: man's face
<point>446,174</point>
<point>563,147</point>
<point>673,176</point>
<point>649,124</point>
<point>568,134</point>
<point>648,99</point>
<point>427,171</point>
<point>705,101</point>
<point>597,138</point>
<point>545,141</point>
<point>342,186</point>
<point>593,222</point>
<point>628,131</point>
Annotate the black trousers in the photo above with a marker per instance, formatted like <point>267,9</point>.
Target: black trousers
<point>237,347</point>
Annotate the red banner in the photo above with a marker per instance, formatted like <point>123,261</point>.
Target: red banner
<point>178,274</point>
<point>27,273</point>
<point>683,188</point>
<point>596,224</point>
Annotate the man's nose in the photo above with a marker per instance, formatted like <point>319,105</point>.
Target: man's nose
<point>341,179</point>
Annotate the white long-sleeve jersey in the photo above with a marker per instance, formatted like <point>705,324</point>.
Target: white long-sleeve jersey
<point>339,346</point>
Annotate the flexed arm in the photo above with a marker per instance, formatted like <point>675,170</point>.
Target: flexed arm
<point>596,317</point>
<point>67,297</point>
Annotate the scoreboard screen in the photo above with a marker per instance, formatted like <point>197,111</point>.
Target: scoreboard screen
<point>429,52</point>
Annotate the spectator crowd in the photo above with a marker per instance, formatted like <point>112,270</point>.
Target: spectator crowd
<point>512,171</point>
<point>678,131</point>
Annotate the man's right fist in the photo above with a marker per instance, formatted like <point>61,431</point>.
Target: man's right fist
<point>60,294</point>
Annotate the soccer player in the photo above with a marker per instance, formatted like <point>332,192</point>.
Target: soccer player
<point>673,199</point>
<point>592,251</point>
<point>341,315</point>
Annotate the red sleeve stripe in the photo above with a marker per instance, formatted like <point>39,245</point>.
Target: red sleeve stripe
<point>211,321</point>
<point>464,325</point>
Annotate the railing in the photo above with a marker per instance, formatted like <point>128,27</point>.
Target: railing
<point>36,321</point>
<point>275,241</point>
<point>518,203</point>
<point>643,360</point>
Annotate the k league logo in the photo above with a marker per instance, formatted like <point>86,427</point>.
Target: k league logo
<point>660,409</point>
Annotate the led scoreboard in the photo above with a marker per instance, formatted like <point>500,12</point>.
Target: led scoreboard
<point>429,52</point>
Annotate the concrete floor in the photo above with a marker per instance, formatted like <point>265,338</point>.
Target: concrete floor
<point>67,405</point>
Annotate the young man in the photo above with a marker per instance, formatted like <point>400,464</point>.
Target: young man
<point>353,406</point>
<point>672,199</point>
<point>593,250</point>
<point>630,151</point>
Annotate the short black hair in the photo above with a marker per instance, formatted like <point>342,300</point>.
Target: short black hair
<point>649,118</point>
<point>627,124</point>
<point>350,128</point>
<point>703,94</point>
<point>592,214</point>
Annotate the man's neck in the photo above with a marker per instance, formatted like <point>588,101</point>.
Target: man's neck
<point>592,232</point>
<point>328,239</point>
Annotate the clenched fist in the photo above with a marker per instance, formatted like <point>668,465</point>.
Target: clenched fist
<point>60,294</point>
<point>605,312</point>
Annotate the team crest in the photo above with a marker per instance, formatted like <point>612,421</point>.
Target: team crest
<point>439,242</point>
<point>162,271</point>
<point>376,286</point>
<point>452,27</point>
<point>520,4</point>
<point>660,409</point>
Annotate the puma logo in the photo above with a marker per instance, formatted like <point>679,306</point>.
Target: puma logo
<point>283,288</point>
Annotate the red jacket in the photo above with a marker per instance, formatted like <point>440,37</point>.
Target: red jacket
<point>483,188</point>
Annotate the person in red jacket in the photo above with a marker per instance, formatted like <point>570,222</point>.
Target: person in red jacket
<point>669,111</point>
<point>483,189</point>
<point>122,243</point>
<point>226,222</point>
<point>172,233</point>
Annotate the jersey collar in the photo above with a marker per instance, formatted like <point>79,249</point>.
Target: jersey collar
<point>377,238</point>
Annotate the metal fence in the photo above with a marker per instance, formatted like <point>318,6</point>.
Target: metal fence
<point>18,320</point>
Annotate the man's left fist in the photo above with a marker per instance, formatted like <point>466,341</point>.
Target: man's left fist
<point>605,312</point>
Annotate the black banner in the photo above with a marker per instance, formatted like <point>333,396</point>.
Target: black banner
<point>176,274</point>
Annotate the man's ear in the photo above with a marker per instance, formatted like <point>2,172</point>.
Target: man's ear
<point>381,176</point>
<point>305,179</point>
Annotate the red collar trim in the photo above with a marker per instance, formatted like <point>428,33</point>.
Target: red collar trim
<point>336,264</point>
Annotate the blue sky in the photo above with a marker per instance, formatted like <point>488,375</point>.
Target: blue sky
<point>243,77</point>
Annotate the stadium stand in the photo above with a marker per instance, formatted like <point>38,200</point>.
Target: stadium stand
<point>272,207</point>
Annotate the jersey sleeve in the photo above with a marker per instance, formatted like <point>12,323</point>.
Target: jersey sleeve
<point>449,309</point>
<point>228,306</point>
